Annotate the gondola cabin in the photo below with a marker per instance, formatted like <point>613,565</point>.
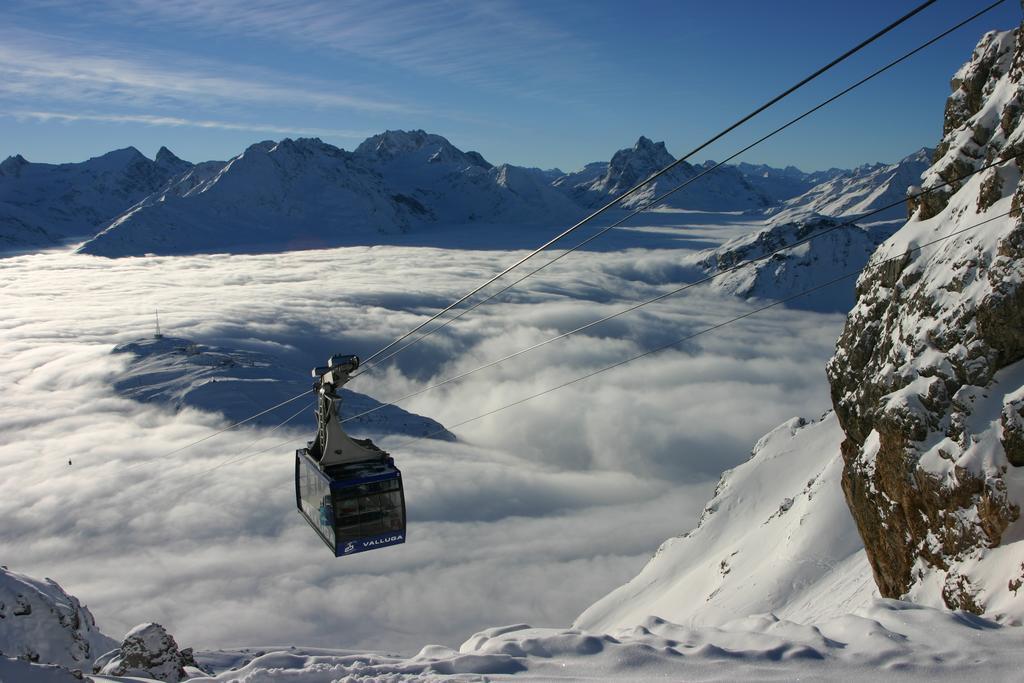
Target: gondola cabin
<point>348,490</point>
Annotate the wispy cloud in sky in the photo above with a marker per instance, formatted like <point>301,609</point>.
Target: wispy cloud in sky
<point>176,121</point>
<point>33,64</point>
<point>489,42</point>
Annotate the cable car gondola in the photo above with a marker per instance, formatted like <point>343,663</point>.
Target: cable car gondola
<point>349,490</point>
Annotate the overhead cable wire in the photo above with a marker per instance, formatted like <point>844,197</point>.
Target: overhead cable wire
<point>658,174</point>
<point>244,455</point>
<point>704,331</point>
<point>221,431</point>
<point>690,285</point>
<point>369,365</point>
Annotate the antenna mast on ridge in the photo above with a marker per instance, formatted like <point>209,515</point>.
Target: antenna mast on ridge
<point>158,335</point>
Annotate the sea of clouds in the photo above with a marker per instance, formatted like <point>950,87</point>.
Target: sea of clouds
<point>535,513</point>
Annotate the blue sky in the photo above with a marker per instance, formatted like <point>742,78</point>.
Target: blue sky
<point>531,83</point>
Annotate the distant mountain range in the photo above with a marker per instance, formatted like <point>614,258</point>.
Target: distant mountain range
<point>305,193</point>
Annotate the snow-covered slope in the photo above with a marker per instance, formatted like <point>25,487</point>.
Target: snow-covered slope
<point>288,195</point>
<point>834,249</point>
<point>862,190</point>
<point>777,537</point>
<point>928,375</point>
<point>724,189</point>
<point>462,187</point>
<point>39,622</point>
<point>239,384</point>
<point>305,193</point>
<point>41,204</point>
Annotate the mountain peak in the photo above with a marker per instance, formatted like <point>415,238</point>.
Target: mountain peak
<point>116,160</point>
<point>644,142</point>
<point>13,165</point>
<point>165,156</point>
<point>129,153</point>
<point>391,143</point>
<point>419,144</point>
<point>629,166</point>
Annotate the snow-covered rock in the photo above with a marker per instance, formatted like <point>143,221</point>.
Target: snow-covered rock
<point>39,622</point>
<point>777,537</point>
<point>859,191</point>
<point>149,651</point>
<point>41,204</point>
<point>238,384</point>
<point>928,373</point>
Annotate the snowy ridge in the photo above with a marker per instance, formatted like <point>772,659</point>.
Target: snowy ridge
<point>724,189</point>
<point>238,384</point>
<point>41,204</point>
<point>304,193</point>
<point>833,249</point>
<point>41,623</point>
<point>859,191</point>
<point>287,195</point>
<point>777,537</point>
<point>784,183</point>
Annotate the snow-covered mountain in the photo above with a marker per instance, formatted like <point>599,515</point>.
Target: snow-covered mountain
<point>928,375</point>
<point>291,194</point>
<point>41,204</point>
<point>724,189</point>
<point>783,183</point>
<point>824,215</point>
<point>39,622</point>
<point>305,193</point>
<point>829,248</point>
<point>462,187</point>
<point>238,384</point>
<point>867,188</point>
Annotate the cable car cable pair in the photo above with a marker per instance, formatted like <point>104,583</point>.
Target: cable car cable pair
<point>368,367</point>
<point>617,200</point>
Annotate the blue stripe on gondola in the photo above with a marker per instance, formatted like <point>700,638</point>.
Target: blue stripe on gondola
<point>370,543</point>
<point>344,483</point>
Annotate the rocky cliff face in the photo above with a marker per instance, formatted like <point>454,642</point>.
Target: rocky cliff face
<point>928,378</point>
